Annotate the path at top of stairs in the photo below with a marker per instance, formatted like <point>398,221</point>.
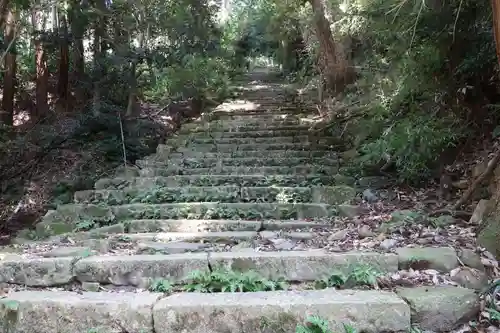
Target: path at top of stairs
<point>244,189</point>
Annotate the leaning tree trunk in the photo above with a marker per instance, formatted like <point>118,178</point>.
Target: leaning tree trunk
<point>63,70</point>
<point>336,69</point>
<point>489,230</point>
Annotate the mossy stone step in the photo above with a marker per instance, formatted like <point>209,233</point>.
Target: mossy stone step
<point>227,148</point>
<point>221,180</point>
<point>231,194</point>
<point>68,218</point>
<point>216,162</point>
<point>210,236</point>
<point>241,170</point>
<point>164,153</point>
<point>283,311</point>
<point>248,130</point>
<point>244,134</point>
<point>245,115</point>
<point>193,140</point>
<point>301,266</point>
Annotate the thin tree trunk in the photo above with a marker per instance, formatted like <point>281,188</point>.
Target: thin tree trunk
<point>63,70</point>
<point>9,89</point>
<point>42,74</point>
<point>77,29</point>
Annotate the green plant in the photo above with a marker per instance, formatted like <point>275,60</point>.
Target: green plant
<point>161,286</point>
<point>224,280</point>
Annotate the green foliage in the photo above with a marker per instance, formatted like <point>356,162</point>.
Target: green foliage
<point>362,275</point>
<point>161,286</point>
<point>224,280</point>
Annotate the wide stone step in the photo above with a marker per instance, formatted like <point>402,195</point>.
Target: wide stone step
<point>72,217</point>
<point>163,152</point>
<point>231,194</point>
<point>247,115</point>
<point>228,148</point>
<point>221,180</point>
<point>281,311</point>
<point>237,141</point>
<point>241,170</point>
<point>211,236</point>
<point>366,310</point>
<point>140,270</point>
<point>239,127</point>
<point>216,162</point>
<point>245,134</point>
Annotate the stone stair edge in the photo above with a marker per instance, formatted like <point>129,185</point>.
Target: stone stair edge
<point>141,269</point>
<point>315,194</point>
<point>198,312</point>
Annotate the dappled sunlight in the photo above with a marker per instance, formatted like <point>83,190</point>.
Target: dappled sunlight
<point>21,118</point>
<point>237,105</point>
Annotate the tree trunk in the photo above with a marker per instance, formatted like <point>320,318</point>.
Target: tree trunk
<point>335,68</point>
<point>9,88</point>
<point>63,70</point>
<point>78,24</point>
<point>489,230</point>
<point>42,74</point>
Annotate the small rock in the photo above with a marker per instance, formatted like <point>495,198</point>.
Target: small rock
<point>443,259</point>
<point>470,278</point>
<point>244,246</point>
<point>470,259</point>
<point>462,184</point>
<point>369,196</point>
<point>67,252</point>
<point>479,211</point>
<point>440,308</point>
<point>365,231</point>
<point>339,235</point>
<point>90,286</point>
<point>388,244</point>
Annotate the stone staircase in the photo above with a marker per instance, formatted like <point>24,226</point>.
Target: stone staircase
<point>239,190</point>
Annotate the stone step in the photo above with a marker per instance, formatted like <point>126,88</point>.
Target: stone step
<point>184,225</point>
<point>217,140</point>
<point>281,311</point>
<point>240,170</point>
<point>366,310</point>
<point>230,194</point>
<point>163,152</point>
<point>216,162</point>
<point>212,236</point>
<point>221,180</point>
<point>301,266</point>
<point>228,148</point>
<point>71,217</point>
<point>244,115</point>
<point>291,129</point>
<point>245,134</point>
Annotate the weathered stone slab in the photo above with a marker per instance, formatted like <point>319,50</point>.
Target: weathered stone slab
<point>138,270</point>
<point>201,162</point>
<point>260,312</point>
<point>241,127</point>
<point>443,259</point>
<point>183,225</point>
<point>261,154</point>
<point>440,308</point>
<point>37,272</point>
<point>302,265</point>
<point>221,180</point>
<point>333,195</point>
<point>69,312</point>
<point>265,133</point>
<point>228,148</point>
<point>241,170</point>
<point>219,139</point>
